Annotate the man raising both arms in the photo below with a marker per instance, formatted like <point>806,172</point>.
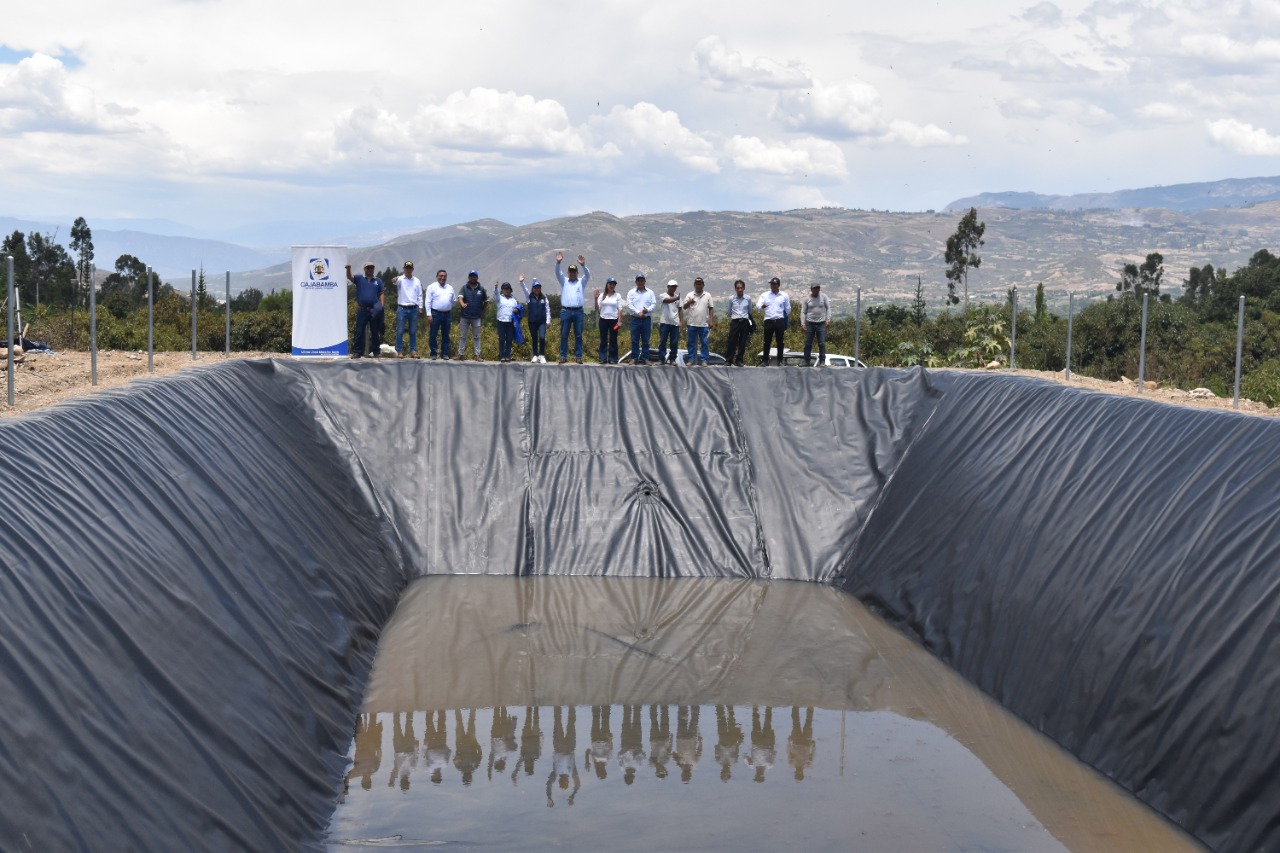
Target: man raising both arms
<point>572,292</point>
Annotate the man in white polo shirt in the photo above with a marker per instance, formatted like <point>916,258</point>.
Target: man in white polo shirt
<point>408,309</point>
<point>699,317</point>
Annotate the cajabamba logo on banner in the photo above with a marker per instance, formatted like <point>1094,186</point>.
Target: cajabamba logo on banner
<point>319,302</point>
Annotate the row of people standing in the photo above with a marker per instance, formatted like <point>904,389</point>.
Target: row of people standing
<point>695,313</point>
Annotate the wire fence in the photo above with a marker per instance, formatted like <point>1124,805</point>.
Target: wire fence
<point>993,349</point>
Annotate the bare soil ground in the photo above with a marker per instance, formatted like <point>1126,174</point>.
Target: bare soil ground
<point>43,380</point>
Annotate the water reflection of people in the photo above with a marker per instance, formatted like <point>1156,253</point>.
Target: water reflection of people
<point>728,739</point>
<point>406,750</point>
<point>564,748</point>
<point>660,741</point>
<point>601,749</point>
<point>762,742</point>
<point>368,757</point>
<point>467,750</point>
<point>688,741</point>
<point>436,749</point>
<point>631,743</point>
<point>800,745</point>
<point>530,743</point>
<point>502,740</point>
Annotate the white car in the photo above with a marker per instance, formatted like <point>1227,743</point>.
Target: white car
<point>795,358</point>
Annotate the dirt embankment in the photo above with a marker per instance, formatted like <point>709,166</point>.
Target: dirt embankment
<point>44,379</point>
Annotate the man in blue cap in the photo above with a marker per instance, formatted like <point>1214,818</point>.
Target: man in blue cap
<point>369,296</point>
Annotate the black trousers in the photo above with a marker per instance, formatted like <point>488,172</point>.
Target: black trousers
<point>736,349</point>
<point>774,328</point>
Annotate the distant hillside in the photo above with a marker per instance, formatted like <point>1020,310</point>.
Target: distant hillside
<point>1233,192</point>
<point>1076,251</point>
<point>170,256</point>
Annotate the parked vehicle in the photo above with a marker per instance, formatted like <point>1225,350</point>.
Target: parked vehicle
<point>715,360</point>
<point>795,358</point>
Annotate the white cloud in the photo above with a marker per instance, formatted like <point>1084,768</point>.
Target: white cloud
<point>921,136</point>
<point>847,109</point>
<point>726,68</point>
<point>654,132</point>
<point>477,127</point>
<point>1162,111</point>
<point>852,110</point>
<point>1220,47</point>
<point>802,158</point>
<point>1030,59</point>
<point>39,95</point>
<point>1043,15</point>
<point>1244,138</point>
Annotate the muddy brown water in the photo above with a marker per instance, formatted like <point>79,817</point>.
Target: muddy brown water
<point>683,714</point>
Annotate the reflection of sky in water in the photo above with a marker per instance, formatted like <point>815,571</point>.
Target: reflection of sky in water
<point>590,713</point>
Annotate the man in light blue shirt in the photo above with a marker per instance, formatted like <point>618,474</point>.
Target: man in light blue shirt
<point>641,304</point>
<point>572,294</point>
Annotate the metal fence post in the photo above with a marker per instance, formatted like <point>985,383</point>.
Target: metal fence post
<point>193,315</point>
<point>1013,340</point>
<point>1142,348</point>
<point>1071,297</point>
<point>151,325</point>
<point>1239,349</point>
<point>93,324</point>
<point>857,327</point>
<point>12,299</point>
<point>227,339</point>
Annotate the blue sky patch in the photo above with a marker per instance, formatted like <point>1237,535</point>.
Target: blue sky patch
<point>9,56</point>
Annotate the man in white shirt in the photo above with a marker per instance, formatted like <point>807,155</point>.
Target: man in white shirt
<point>776,306</point>
<point>408,309</point>
<point>815,318</point>
<point>572,314</point>
<point>641,303</point>
<point>699,317</point>
<point>439,301</point>
<point>669,323</point>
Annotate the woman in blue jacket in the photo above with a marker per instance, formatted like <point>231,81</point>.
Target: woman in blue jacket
<point>538,312</point>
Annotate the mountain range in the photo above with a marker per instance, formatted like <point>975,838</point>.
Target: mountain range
<point>1070,251</point>
<point>1232,192</point>
<point>1073,244</point>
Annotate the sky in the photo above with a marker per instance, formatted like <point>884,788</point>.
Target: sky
<point>270,121</point>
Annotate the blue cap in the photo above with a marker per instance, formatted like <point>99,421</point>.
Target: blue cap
<point>473,273</point>
<point>536,283</point>
<point>611,280</point>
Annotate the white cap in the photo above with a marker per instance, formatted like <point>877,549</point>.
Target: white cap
<point>673,283</point>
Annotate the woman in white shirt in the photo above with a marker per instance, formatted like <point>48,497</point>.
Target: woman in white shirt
<point>609,307</point>
<point>506,321</point>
